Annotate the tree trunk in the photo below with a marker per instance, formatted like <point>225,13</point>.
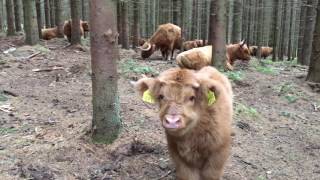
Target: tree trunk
<point>52,15</point>
<point>59,17</point>
<point>135,28</point>
<point>84,16</point>
<point>106,123</point>
<point>119,23</point>
<point>275,29</point>
<point>260,28</point>
<point>175,12</point>
<point>182,19</point>
<point>39,18</point>
<point>125,24</point>
<point>75,24</point>
<point>30,22</point>
<point>308,31</point>
<point>10,18</point>
<point>194,19</point>
<point>47,13</point>
<point>236,27</point>
<point>290,32</point>
<point>283,29</point>
<point>314,68</point>
<point>217,32</point>
<point>17,14</point>
<point>1,15</point>
<point>303,15</point>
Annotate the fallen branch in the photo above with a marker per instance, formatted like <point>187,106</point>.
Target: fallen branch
<point>10,93</point>
<point>33,55</point>
<point>165,175</point>
<point>48,69</point>
<point>315,107</point>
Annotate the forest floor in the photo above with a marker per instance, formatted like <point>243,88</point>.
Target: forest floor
<point>45,118</point>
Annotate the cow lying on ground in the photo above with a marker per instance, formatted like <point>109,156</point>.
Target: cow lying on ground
<point>84,27</point>
<point>167,38</point>
<point>196,113</point>
<point>49,33</point>
<point>199,57</point>
<point>265,51</point>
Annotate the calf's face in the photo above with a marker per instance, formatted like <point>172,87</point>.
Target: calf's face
<point>243,52</point>
<point>180,101</point>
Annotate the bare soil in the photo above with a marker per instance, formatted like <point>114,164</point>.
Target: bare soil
<point>46,118</point>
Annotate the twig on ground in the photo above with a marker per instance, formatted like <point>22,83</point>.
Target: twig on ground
<point>165,175</point>
<point>48,69</point>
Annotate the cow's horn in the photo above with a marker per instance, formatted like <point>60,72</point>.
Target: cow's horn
<point>147,49</point>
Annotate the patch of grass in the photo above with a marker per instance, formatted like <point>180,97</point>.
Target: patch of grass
<point>41,48</point>
<point>5,131</point>
<point>247,111</point>
<point>266,70</point>
<point>235,75</point>
<point>132,66</point>
<point>3,97</point>
<point>261,177</point>
<point>289,92</point>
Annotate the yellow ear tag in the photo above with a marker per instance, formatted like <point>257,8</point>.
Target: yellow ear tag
<point>147,97</point>
<point>211,98</point>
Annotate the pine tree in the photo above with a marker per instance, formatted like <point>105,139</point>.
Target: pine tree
<point>106,122</point>
<point>17,14</point>
<point>10,18</point>
<point>30,22</point>
<point>75,24</point>
<point>59,17</point>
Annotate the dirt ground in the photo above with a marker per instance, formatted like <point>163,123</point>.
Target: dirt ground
<point>45,118</point>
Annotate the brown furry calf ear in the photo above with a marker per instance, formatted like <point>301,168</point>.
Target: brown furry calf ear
<point>211,89</point>
<point>144,84</point>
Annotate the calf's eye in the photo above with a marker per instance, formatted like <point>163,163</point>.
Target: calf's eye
<point>192,98</point>
<point>160,97</point>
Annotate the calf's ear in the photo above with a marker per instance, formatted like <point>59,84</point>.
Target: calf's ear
<point>212,90</point>
<point>147,88</point>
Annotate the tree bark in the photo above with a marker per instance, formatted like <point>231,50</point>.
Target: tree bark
<point>30,22</point>
<point>1,15</point>
<point>290,32</point>
<point>282,32</point>
<point>106,123</point>
<point>39,18</point>
<point>260,28</point>
<point>135,28</point>
<point>308,31</point>
<point>275,29</point>
<point>47,13</point>
<point>17,14</point>
<point>314,68</point>
<point>125,24</point>
<point>10,18</point>
<point>217,32</point>
<point>52,13</point>
<point>236,27</point>
<point>59,17</point>
<point>75,24</point>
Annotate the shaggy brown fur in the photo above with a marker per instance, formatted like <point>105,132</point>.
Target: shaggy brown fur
<point>265,51</point>
<point>199,57</point>
<point>167,38</point>
<point>84,27</point>
<point>199,142</point>
<point>189,45</point>
<point>141,41</point>
<point>49,33</point>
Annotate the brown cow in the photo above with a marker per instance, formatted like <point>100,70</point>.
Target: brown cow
<point>265,51</point>
<point>141,41</point>
<point>189,45</point>
<point>84,27</point>
<point>199,57</point>
<point>49,33</point>
<point>167,38</point>
<point>196,113</point>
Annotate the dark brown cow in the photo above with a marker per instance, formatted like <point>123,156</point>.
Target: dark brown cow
<point>84,27</point>
<point>265,51</point>
<point>167,38</point>
<point>196,113</point>
<point>197,58</point>
<point>189,45</point>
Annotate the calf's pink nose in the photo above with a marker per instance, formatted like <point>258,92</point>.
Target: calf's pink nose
<point>172,119</point>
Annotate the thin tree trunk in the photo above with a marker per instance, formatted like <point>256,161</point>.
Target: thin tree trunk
<point>260,28</point>
<point>236,27</point>
<point>282,32</point>
<point>52,11</point>
<point>175,12</point>
<point>119,23</point>
<point>30,22</point>
<point>217,33</point>
<point>10,18</point>
<point>17,14</point>
<point>182,19</point>
<point>290,33</point>
<point>106,123</point>
<point>303,15</point>
<point>194,19</point>
<point>308,31</point>
<point>1,15</point>
<point>314,68</point>
<point>39,18</point>
<point>135,28</point>
<point>59,17</point>
<point>125,24</point>
<point>275,29</point>
<point>75,24</point>
<point>47,13</point>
